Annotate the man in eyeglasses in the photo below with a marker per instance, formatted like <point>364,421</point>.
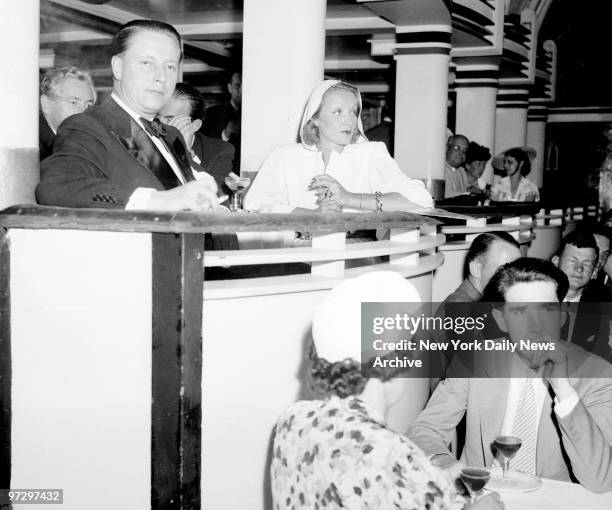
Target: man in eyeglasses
<point>455,178</point>
<point>64,91</point>
<point>588,314</point>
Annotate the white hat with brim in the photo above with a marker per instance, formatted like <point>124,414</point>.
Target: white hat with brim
<point>498,160</point>
<point>336,324</point>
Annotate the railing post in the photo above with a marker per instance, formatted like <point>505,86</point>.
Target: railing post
<point>176,411</point>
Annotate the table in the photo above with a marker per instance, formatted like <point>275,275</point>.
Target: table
<point>558,496</point>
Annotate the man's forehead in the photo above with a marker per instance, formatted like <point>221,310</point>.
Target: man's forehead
<point>73,87</point>
<point>146,40</point>
<point>571,250</point>
<point>538,292</point>
<point>459,140</point>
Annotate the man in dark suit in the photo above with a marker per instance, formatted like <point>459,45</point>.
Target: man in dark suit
<point>64,91</point>
<point>223,120</point>
<point>588,300</point>
<point>185,111</point>
<point>118,154</point>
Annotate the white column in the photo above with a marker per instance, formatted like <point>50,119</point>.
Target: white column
<point>420,116</point>
<point>284,50</point>
<point>19,166</point>
<point>536,138</point>
<point>511,119</point>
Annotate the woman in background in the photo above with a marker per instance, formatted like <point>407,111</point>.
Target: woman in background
<point>515,187</point>
<point>334,168</point>
<point>475,162</point>
<point>338,451</point>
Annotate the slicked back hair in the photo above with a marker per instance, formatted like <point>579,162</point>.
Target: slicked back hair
<point>524,270</point>
<point>480,247</point>
<point>191,94</point>
<point>121,39</point>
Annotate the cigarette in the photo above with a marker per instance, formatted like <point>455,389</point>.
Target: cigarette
<point>222,199</point>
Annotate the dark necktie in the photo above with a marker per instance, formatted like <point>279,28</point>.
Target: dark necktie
<point>157,129</point>
<point>154,128</point>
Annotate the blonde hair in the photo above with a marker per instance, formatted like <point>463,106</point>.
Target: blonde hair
<point>310,132</point>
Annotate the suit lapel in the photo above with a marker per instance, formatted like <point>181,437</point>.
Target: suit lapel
<point>136,141</point>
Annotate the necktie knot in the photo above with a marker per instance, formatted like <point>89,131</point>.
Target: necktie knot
<point>154,127</point>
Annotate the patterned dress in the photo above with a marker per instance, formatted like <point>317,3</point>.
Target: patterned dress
<point>337,453</point>
<point>527,191</point>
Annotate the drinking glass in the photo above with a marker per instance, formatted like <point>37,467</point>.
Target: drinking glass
<point>474,479</point>
<point>507,446</point>
<point>237,185</point>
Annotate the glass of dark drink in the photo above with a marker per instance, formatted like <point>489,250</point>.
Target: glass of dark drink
<point>507,446</point>
<point>474,478</point>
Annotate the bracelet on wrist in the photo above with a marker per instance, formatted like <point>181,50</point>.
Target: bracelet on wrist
<point>379,201</point>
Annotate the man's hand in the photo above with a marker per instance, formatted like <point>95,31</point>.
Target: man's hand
<point>200,195</point>
<point>556,371</point>
<point>183,123</point>
<point>231,129</point>
<point>450,466</point>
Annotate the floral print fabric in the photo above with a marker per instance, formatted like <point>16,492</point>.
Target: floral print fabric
<point>337,453</point>
<point>527,191</point>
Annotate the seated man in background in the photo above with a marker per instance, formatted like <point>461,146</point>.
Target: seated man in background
<point>222,120</point>
<point>455,179</point>
<point>588,314</point>
<point>117,154</point>
<point>64,91</point>
<point>185,111</point>
<point>559,401</point>
<point>338,451</point>
<point>487,253</point>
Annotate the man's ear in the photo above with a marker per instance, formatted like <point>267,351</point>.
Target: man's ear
<point>117,67</point>
<point>196,125</point>
<point>555,260</point>
<point>45,104</point>
<point>475,268</point>
<point>498,315</point>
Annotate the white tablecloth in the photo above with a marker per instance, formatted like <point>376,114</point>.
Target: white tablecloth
<point>555,495</point>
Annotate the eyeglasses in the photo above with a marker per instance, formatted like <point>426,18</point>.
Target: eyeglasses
<point>458,148</point>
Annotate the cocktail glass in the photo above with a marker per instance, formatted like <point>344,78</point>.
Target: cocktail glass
<point>237,185</point>
<point>507,446</point>
<point>474,478</point>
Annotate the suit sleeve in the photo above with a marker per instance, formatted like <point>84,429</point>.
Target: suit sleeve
<point>586,434</point>
<point>75,175</point>
<point>433,430</point>
<point>214,122</point>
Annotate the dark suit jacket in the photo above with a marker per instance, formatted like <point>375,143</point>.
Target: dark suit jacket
<point>215,120</point>
<point>101,156</point>
<point>216,157</point>
<point>46,136</point>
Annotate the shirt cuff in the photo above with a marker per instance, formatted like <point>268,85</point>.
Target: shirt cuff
<point>566,406</point>
<point>139,199</point>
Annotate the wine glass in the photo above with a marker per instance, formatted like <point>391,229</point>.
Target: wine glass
<point>237,185</point>
<point>474,478</point>
<point>507,446</point>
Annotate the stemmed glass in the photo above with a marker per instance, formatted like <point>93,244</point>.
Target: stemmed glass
<point>237,185</point>
<point>474,479</point>
<point>507,446</point>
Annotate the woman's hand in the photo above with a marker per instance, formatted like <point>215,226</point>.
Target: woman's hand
<point>328,205</point>
<point>328,187</point>
<point>490,501</point>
